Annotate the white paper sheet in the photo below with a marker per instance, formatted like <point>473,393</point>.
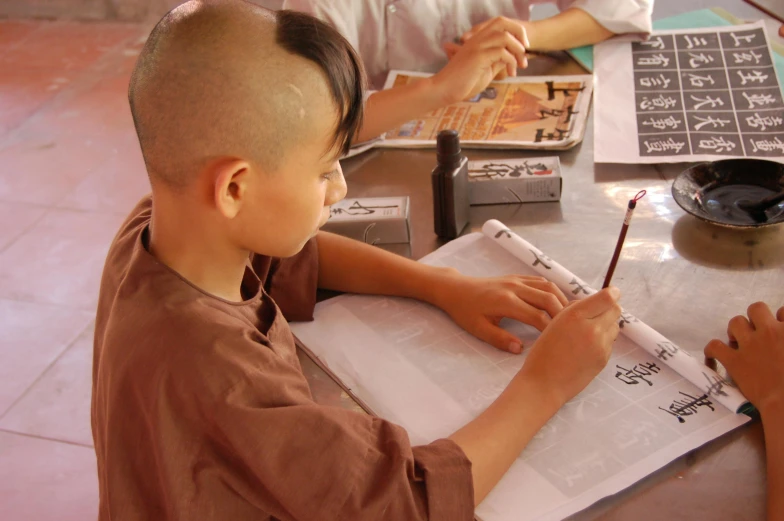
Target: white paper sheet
<point>688,95</point>
<point>412,365</point>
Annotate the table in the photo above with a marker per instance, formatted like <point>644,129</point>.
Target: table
<point>681,276</point>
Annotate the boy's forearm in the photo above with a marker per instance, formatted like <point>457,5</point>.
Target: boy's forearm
<point>388,109</point>
<point>497,436</point>
<point>566,30</point>
<point>773,425</point>
<point>355,267</point>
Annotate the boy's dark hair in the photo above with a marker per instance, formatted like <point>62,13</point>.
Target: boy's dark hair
<point>320,43</point>
<point>215,78</point>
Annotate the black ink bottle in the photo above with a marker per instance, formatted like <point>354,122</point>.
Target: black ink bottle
<point>450,186</point>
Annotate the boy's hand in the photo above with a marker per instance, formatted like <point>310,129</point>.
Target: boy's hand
<point>478,305</point>
<point>498,47</point>
<point>575,346</point>
<point>757,365</point>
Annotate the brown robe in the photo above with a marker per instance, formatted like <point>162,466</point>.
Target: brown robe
<point>200,410</point>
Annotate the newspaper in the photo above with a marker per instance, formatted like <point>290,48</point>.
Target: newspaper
<point>534,112</point>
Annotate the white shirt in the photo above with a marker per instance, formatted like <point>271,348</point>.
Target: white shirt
<point>409,34</point>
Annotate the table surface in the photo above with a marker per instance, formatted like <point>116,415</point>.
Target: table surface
<point>681,276</point>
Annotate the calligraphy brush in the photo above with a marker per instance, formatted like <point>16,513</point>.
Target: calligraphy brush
<point>622,237</point>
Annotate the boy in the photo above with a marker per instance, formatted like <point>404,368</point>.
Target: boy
<point>757,366</point>
<point>420,35</point>
<point>200,408</point>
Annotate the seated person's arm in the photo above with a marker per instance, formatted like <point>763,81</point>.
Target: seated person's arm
<point>498,47</point>
<point>573,348</point>
<point>757,367</point>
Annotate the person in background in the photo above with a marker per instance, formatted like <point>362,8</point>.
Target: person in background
<point>756,364</point>
<point>465,43</point>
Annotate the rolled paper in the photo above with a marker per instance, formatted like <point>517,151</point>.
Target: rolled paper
<point>636,330</point>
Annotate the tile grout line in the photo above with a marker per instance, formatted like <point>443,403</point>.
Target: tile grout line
<point>46,438</point>
<point>27,229</point>
<point>46,369</point>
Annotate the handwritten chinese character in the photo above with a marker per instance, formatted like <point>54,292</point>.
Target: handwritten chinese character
<point>542,259</point>
<point>715,385</point>
<point>637,373</point>
<point>666,350</point>
<point>626,318</point>
<point>688,406</point>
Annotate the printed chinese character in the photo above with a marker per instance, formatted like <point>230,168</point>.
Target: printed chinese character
<point>654,59</point>
<point>717,144</point>
<point>759,99</point>
<point>763,122</point>
<point>713,102</point>
<point>698,60</point>
<point>710,120</point>
<point>699,81</point>
<point>752,77</point>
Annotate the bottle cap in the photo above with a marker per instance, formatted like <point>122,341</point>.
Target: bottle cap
<point>448,147</point>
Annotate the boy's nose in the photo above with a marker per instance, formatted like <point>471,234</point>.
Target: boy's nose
<point>337,189</point>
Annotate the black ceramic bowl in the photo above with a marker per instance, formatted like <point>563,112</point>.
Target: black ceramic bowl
<point>712,191</point>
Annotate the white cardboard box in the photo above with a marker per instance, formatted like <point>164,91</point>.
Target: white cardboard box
<point>514,181</point>
<point>374,220</point>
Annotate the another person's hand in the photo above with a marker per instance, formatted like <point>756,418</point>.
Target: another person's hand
<point>498,47</point>
<point>757,365</point>
<point>781,31</point>
<point>575,346</point>
<point>478,305</point>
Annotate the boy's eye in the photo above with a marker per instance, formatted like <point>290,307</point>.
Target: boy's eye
<point>329,175</point>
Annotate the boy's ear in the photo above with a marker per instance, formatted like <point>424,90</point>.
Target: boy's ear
<point>230,183</point>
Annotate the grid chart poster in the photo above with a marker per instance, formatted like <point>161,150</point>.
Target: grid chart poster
<point>696,95</point>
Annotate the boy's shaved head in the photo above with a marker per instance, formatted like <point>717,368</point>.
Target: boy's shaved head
<point>227,78</point>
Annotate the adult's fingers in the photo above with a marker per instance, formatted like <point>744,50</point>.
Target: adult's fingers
<point>739,329</point>
<point>760,315</point>
<point>597,304</point>
<point>721,352</point>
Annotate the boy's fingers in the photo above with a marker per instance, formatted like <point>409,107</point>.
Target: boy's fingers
<point>780,313</point>
<point>545,285</point>
<point>721,352</point>
<point>524,312</point>
<point>511,26</point>
<point>541,299</point>
<point>598,303</point>
<point>760,314</point>
<point>498,338</point>
<point>739,329</point>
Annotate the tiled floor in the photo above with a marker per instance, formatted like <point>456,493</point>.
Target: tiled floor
<point>70,170</point>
